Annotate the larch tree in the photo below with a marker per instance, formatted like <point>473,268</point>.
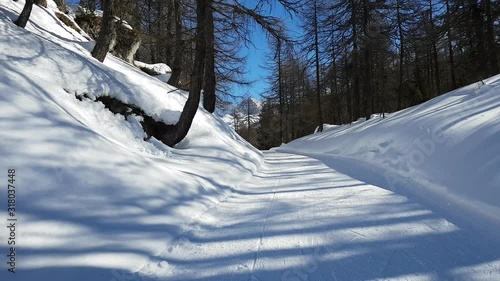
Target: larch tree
<point>229,28</point>
<point>23,18</point>
<point>209,98</point>
<point>179,131</point>
<point>316,60</point>
<point>107,32</point>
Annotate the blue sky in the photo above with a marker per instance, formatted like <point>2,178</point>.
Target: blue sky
<point>255,60</point>
<point>256,55</point>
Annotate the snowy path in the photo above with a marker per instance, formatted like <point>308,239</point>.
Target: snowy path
<point>298,219</point>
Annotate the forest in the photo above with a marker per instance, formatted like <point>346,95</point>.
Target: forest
<point>352,59</point>
<point>140,143</point>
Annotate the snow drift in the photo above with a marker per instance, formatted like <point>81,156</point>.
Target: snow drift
<point>445,151</point>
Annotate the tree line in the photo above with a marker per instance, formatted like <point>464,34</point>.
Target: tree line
<point>361,57</point>
<point>355,58</point>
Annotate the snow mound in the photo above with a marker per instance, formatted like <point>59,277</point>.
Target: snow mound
<point>160,71</point>
<point>92,193</point>
<point>445,151</point>
<point>159,68</point>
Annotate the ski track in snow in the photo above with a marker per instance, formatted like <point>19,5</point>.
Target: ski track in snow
<point>320,224</point>
<point>101,204</point>
<point>267,217</point>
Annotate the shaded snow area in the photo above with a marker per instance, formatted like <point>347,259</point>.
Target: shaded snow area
<point>445,152</point>
<point>414,196</point>
<point>93,196</point>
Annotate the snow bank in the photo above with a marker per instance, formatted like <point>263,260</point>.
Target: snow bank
<point>159,68</point>
<point>445,151</point>
<point>160,71</point>
<point>94,199</point>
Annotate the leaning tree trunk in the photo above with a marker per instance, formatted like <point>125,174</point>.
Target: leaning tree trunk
<point>106,33</point>
<point>181,129</point>
<point>209,91</point>
<point>23,18</point>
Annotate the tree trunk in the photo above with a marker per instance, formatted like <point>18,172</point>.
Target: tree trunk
<point>316,49</point>
<point>23,18</point>
<point>280,90</point>
<point>106,33</point>
<point>479,57</point>
<point>335,97</point>
<point>490,39</point>
<point>356,97</point>
<point>450,46</point>
<point>210,82</point>
<point>177,64</point>
<point>434,51</point>
<point>350,116</point>
<point>401,54</point>
<point>170,40</point>
<point>180,130</point>
<point>367,86</point>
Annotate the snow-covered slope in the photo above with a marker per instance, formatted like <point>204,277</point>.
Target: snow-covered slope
<point>91,193</point>
<point>445,151</point>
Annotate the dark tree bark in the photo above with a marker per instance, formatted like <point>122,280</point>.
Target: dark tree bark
<point>348,71</point>
<point>450,46</point>
<point>210,82</point>
<point>367,67</point>
<point>316,56</point>
<point>336,100</point>
<point>479,50</point>
<point>23,18</point>
<point>490,39</point>
<point>434,50</point>
<point>180,130</point>
<point>177,64</point>
<point>280,90</point>
<point>401,52</point>
<point>106,33</point>
<point>356,97</point>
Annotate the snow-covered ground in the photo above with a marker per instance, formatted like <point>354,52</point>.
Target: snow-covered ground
<point>92,194</point>
<point>94,201</point>
<point>299,219</point>
<point>445,152</point>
